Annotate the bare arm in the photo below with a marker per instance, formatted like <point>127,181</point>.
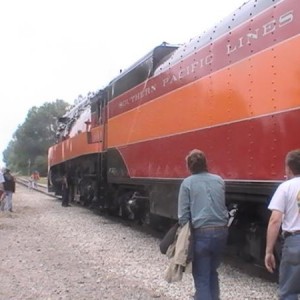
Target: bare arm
<point>272,235</point>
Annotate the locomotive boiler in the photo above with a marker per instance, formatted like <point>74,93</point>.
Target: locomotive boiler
<point>232,92</point>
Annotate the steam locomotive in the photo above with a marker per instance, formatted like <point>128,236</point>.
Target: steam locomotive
<point>232,92</point>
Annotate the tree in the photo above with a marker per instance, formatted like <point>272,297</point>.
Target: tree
<point>28,149</point>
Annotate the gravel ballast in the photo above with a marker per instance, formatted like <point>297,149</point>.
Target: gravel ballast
<point>53,252</point>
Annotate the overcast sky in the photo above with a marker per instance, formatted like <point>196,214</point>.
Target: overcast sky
<point>59,49</point>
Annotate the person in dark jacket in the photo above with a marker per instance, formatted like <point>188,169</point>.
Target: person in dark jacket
<point>9,189</point>
<point>65,190</point>
<point>2,196</point>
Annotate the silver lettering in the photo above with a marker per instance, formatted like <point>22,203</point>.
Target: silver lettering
<point>269,27</point>
<point>230,49</point>
<point>286,18</point>
<point>241,42</point>
<point>139,95</point>
<point>165,81</point>
<point>194,67</point>
<point>252,36</point>
<point>209,59</point>
<point>266,29</point>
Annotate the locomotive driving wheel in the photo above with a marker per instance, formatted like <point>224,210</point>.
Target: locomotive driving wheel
<point>87,191</point>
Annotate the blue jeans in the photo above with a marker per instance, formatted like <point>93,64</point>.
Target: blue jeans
<point>209,245</point>
<point>289,270</point>
<point>8,200</point>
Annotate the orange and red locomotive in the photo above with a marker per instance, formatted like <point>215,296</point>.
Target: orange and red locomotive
<point>232,92</point>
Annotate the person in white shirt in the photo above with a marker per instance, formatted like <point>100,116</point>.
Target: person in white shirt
<point>285,207</point>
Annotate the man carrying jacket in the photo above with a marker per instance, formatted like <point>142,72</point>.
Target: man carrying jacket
<point>201,201</point>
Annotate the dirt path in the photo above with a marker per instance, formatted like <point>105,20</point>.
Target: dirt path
<point>51,252</point>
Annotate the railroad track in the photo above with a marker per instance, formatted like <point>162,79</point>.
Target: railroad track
<point>41,188</point>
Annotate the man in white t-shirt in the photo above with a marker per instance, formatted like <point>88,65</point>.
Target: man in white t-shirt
<point>285,207</point>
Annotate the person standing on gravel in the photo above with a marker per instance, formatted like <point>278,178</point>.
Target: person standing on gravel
<point>9,189</point>
<point>201,201</point>
<point>65,187</point>
<point>2,195</point>
<point>285,207</point>
<point>35,177</point>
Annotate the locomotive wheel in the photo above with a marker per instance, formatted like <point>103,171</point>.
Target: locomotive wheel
<point>86,191</point>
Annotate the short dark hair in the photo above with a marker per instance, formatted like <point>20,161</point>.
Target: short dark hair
<point>292,160</point>
<point>196,161</point>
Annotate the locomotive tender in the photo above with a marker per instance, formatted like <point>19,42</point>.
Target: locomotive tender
<point>232,92</point>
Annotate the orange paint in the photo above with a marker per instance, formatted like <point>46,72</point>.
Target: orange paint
<point>231,94</point>
<point>76,146</point>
